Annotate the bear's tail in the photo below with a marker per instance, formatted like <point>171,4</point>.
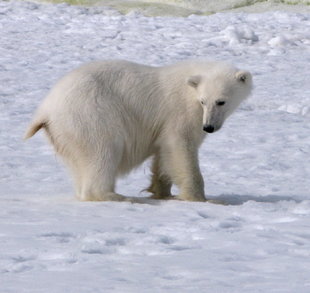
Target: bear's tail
<point>34,127</point>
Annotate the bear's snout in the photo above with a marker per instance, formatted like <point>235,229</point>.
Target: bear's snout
<point>208,128</point>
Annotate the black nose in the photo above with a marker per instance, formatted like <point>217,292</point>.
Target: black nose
<point>208,128</point>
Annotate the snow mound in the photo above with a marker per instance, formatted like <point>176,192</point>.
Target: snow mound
<point>296,109</point>
<point>237,35</point>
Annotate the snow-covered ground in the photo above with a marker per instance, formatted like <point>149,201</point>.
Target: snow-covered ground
<point>259,163</point>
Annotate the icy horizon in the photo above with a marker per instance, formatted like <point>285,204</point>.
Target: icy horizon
<point>183,8</point>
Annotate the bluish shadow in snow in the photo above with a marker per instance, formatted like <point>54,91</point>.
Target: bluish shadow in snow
<point>233,199</point>
<point>226,199</point>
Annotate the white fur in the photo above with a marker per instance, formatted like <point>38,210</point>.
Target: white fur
<point>105,118</point>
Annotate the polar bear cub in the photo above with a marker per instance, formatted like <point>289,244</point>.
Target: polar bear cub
<point>105,118</point>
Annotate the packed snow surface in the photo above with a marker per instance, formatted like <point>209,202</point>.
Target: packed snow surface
<point>258,164</point>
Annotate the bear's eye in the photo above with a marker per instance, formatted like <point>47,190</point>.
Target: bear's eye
<point>220,103</point>
<point>202,102</point>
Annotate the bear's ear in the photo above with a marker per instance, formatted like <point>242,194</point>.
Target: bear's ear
<point>194,81</point>
<point>243,76</point>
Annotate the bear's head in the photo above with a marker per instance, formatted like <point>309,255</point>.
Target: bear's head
<point>220,89</point>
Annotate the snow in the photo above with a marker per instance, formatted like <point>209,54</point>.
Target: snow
<point>258,164</point>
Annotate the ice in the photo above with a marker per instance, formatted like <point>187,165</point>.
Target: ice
<point>258,164</point>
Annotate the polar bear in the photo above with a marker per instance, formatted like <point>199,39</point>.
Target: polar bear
<point>107,117</point>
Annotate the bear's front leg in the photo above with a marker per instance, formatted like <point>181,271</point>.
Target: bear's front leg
<point>180,161</point>
<point>192,189</point>
<point>161,183</point>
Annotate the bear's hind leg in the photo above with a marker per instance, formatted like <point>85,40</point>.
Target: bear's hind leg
<point>98,181</point>
<point>95,171</point>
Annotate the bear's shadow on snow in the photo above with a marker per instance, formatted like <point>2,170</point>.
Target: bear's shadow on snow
<point>241,199</point>
<point>227,199</point>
